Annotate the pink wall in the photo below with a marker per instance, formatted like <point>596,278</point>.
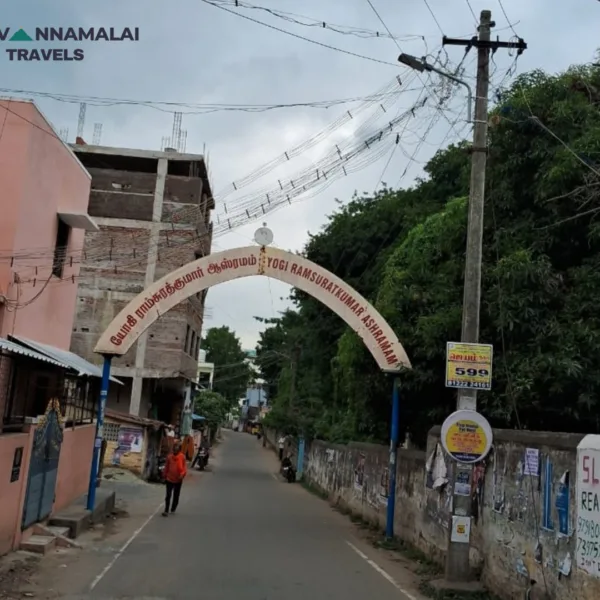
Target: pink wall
<point>74,465</point>
<point>39,176</point>
<point>12,494</point>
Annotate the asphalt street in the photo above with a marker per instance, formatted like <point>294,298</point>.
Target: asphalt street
<point>242,533</point>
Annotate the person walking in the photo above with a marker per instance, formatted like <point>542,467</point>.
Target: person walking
<point>175,472</point>
<point>281,444</point>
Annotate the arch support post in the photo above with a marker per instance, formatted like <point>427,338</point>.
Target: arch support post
<point>394,437</point>
<point>93,484</point>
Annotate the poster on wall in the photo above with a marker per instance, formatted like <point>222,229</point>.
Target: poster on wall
<point>588,505</point>
<point>131,438</point>
<point>384,486</point>
<point>532,462</point>
<point>128,440</point>
<point>461,530</point>
<point>562,504</point>
<point>359,473</point>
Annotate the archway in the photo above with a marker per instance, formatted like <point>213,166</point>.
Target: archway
<point>250,261</point>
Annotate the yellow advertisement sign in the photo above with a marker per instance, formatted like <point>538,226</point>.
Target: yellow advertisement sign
<point>466,436</point>
<point>469,365</point>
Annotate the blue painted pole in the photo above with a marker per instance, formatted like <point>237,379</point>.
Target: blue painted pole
<point>300,466</point>
<point>91,498</point>
<point>395,435</point>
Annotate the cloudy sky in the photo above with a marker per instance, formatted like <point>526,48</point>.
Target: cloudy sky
<point>195,53</point>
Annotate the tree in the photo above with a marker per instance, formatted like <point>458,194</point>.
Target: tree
<point>276,346</point>
<point>404,250</point>
<point>232,372</point>
<point>213,407</point>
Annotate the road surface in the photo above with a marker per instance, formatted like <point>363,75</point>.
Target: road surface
<point>240,533</point>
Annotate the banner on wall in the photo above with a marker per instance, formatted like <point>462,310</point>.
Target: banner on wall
<point>359,473</point>
<point>129,440</point>
<point>588,505</point>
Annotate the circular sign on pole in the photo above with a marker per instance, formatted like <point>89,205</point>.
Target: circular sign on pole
<point>467,436</point>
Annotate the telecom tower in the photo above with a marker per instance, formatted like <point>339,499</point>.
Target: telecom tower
<point>97,134</point>
<point>81,122</point>
<point>178,139</point>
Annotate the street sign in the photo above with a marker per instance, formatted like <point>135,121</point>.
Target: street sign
<point>467,436</point>
<point>469,365</point>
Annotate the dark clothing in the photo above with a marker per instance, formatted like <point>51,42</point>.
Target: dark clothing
<point>286,462</point>
<point>280,454</point>
<point>173,489</point>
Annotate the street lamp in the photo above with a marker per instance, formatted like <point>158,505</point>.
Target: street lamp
<point>422,65</point>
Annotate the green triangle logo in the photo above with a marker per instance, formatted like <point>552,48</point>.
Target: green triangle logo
<point>21,36</point>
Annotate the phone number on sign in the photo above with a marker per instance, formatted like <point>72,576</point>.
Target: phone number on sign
<point>590,529</point>
<point>588,548</point>
<point>467,384</point>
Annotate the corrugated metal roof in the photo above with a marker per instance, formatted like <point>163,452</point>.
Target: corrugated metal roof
<point>127,418</point>
<point>66,359</point>
<point>22,351</point>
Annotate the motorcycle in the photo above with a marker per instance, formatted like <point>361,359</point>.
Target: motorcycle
<point>202,459</point>
<point>161,462</point>
<point>289,473</point>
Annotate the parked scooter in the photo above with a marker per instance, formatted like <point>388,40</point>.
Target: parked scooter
<point>201,459</point>
<point>287,470</point>
<point>160,463</point>
<point>289,473</point>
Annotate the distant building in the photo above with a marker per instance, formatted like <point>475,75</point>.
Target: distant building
<point>256,398</point>
<point>206,372</point>
<point>154,210</point>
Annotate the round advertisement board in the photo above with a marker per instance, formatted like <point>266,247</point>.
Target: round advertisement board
<point>467,436</point>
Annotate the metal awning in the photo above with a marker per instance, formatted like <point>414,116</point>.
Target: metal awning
<point>22,351</point>
<point>78,221</point>
<point>64,358</point>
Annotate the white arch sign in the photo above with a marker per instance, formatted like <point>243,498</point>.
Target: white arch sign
<point>220,267</point>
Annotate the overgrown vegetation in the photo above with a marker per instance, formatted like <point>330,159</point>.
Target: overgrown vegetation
<point>232,372</point>
<point>404,250</point>
<point>213,407</point>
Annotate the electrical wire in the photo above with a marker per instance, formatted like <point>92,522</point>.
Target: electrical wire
<point>472,11</point>
<point>195,109</point>
<point>357,151</point>
<point>434,17</point>
<point>191,212</point>
<point>318,23</point>
<point>506,17</point>
<point>301,37</point>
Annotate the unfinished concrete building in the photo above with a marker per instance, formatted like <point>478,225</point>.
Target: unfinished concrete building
<point>153,209</point>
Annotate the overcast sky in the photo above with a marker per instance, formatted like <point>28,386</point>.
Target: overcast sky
<point>192,52</point>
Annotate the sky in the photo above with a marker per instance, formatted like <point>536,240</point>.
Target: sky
<point>193,52</point>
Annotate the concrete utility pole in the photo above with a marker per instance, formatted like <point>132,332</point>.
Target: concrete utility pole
<point>467,399</point>
<point>457,559</point>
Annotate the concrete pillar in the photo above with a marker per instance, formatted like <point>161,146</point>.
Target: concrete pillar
<point>140,355</point>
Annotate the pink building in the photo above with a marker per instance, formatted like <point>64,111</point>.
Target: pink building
<point>45,194</point>
<point>47,394</point>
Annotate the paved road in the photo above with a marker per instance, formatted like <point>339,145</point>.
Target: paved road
<point>240,533</point>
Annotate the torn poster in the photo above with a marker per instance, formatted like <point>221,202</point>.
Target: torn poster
<point>532,462</point>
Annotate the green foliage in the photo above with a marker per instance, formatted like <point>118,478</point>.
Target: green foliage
<point>213,407</point>
<point>404,251</point>
<point>232,373</point>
